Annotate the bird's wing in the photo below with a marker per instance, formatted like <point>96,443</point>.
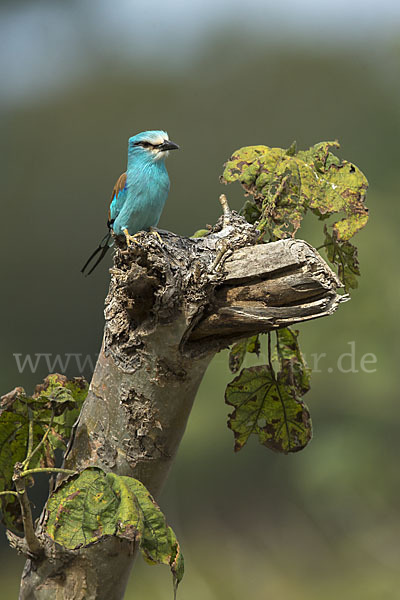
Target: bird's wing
<point>118,197</point>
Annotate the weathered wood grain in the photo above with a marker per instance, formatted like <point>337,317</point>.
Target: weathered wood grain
<point>269,286</point>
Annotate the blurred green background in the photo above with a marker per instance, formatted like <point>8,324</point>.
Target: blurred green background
<point>78,79</point>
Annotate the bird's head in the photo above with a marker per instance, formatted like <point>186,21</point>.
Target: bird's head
<point>151,145</point>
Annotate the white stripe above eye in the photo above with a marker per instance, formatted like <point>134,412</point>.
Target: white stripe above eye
<point>155,141</point>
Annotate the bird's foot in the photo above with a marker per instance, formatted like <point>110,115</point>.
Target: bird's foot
<point>156,234</point>
<point>130,238</point>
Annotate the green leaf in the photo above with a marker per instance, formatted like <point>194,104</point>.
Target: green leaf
<point>250,212</point>
<point>291,151</point>
<point>200,233</point>
<point>95,504</point>
<point>273,178</point>
<point>346,228</point>
<point>341,188</point>
<point>13,446</point>
<point>345,257</point>
<point>56,396</point>
<point>294,370</point>
<point>285,184</point>
<point>239,350</point>
<point>86,508</point>
<point>319,155</point>
<point>243,165</point>
<point>267,407</point>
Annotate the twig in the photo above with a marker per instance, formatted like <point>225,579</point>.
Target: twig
<point>19,544</point>
<point>28,472</point>
<point>27,521</point>
<point>20,473</point>
<point>30,438</point>
<point>270,355</point>
<point>225,210</point>
<point>224,248</point>
<point>278,349</point>
<point>40,444</point>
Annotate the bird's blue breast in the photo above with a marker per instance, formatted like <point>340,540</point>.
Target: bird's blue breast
<point>147,188</point>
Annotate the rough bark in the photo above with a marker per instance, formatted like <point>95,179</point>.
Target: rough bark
<point>170,308</point>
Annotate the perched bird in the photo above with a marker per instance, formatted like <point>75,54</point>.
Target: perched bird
<point>139,194</point>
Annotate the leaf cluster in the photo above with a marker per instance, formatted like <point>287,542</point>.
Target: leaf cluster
<point>88,506</point>
<point>267,400</point>
<point>42,421</point>
<point>282,185</point>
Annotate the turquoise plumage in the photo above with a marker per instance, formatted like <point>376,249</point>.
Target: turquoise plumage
<point>139,195</point>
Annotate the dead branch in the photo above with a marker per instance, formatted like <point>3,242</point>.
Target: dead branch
<point>169,309</point>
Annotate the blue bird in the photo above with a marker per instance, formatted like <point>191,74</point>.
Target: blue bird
<point>139,194</point>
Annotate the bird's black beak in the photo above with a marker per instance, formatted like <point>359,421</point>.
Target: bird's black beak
<point>168,145</point>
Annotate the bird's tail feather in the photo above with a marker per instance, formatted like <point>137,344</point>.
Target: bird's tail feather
<point>102,249</point>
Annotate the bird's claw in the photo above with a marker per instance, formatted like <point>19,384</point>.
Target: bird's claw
<point>130,238</point>
<point>133,238</point>
<point>156,234</point>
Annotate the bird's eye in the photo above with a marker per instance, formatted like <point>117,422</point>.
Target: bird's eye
<point>143,144</point>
